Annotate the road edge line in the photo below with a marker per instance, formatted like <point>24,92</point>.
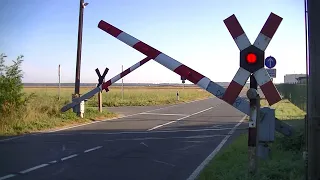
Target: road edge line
<point>197,171</point>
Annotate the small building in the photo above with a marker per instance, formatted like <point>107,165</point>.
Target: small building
<point>302,80</point>
<point>293,78</point>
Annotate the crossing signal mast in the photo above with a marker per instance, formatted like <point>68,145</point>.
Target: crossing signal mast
<point>252,65</point>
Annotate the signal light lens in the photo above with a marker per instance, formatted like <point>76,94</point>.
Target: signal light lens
<point>251,58</point>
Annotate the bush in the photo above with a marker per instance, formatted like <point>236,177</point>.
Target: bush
<point>293,143</point>
<point>11,95</point>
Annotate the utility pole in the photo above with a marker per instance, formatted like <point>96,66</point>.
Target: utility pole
<point>313,109</point>
<point>59,75</point>
<point>306,127</point>
<point>122,82</point>
<point>78,63</point>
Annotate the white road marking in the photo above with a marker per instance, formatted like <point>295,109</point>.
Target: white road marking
<point>216,126</point>
<point>161,125</point>
<point>194,141</point>
<point>12,138</point>
<point>33,168</point>
<point>7,176</point>
<point>47,164</point>
<point>144,144</point>
<point>163,138</point>
<point>184,148</point>
<point>69,157</point>
<point>92,149</point>
<point>162,162</point>
<point>141,132</point>
<point>160,114</point>
<point>197,171</point>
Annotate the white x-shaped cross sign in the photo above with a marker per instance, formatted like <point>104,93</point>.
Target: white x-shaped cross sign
<point>261,75</point>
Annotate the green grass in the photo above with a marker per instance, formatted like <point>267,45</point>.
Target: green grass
<point>133,96</point>
<point>286,153</point>
<point>43,113</point>
<point>285,110</point>
<point>43,109</point>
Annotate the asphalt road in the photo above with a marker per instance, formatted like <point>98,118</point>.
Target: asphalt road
<point>164,142</point>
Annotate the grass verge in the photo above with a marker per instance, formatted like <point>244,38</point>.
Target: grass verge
<point>43,113</point>
<point>285,162</point>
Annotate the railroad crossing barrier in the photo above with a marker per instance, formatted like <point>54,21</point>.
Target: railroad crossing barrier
<point>250,63</point>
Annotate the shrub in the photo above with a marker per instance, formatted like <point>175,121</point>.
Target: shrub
<point>11,95</point>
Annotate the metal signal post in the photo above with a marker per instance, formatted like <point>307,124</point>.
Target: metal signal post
<point>252,65</point>
<point>253,125</point>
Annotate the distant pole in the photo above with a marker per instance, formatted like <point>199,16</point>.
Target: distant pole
<point>122,82</point>
<point>178,96</point>
<point>59,75</point>
<point>313,107</point>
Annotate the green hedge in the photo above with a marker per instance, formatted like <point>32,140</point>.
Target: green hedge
<point>295,93</point>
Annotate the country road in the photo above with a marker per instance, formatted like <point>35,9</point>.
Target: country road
<point>165,142</point>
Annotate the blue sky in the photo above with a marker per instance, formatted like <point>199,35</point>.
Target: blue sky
<point>192,32</point>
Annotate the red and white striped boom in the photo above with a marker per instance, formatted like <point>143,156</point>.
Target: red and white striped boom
<point>202,81</point>
<point>240,103</point>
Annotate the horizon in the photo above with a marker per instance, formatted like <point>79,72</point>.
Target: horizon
<point>45,32</point>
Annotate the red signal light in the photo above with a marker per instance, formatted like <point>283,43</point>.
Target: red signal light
<point>251,58</point>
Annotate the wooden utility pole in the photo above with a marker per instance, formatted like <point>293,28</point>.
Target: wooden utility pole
<point>78,62</point>
<point>313,107</point>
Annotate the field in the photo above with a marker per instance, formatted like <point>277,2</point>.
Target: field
<point>42,111</point>
<point>132,96</point>
<point>285,162</point>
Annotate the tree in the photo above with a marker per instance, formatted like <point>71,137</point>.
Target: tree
<point>11,87</point>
